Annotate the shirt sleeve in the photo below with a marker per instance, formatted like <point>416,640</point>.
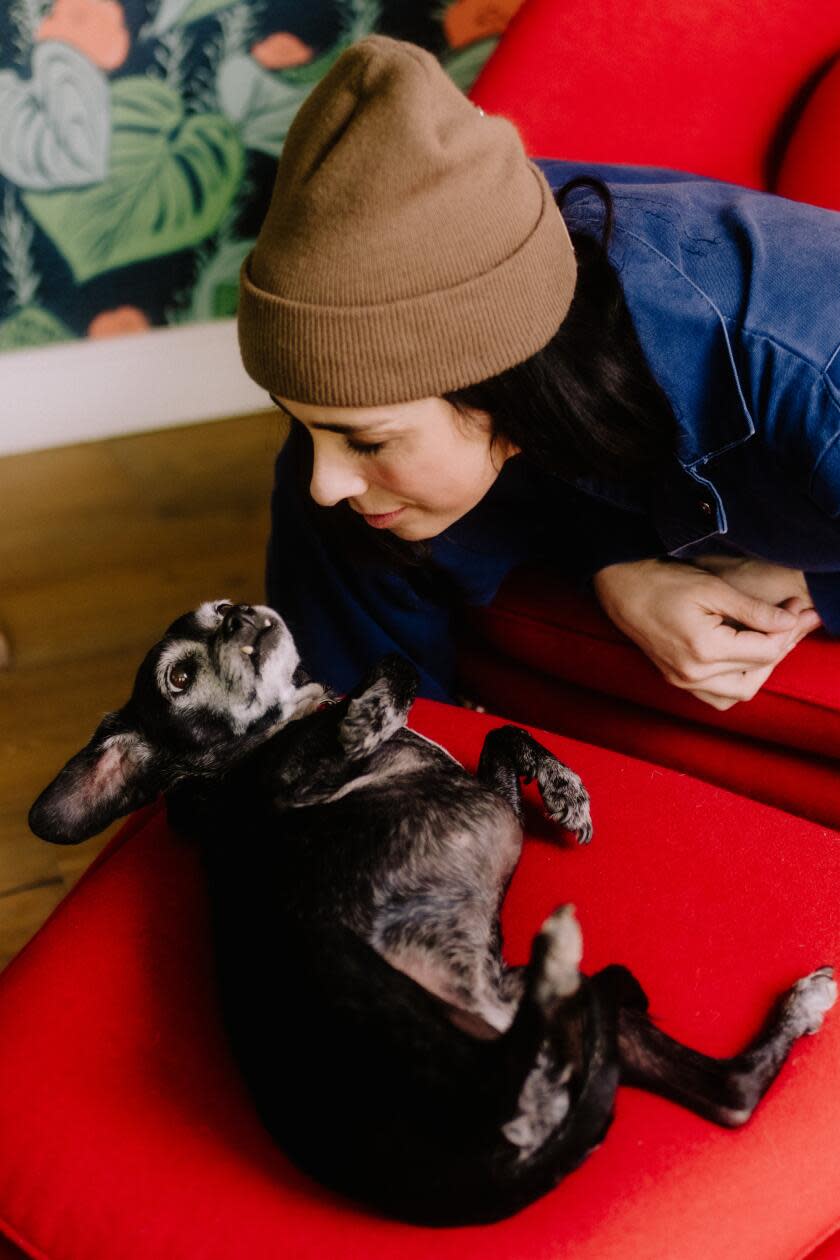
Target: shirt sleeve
<point>825,592</point>
<point>823,430</point>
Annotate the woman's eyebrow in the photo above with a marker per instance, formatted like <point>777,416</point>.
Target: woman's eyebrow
<point>332,426</point>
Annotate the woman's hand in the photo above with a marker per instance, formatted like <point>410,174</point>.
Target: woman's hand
<point>702,632</point>
<point>771,582</point>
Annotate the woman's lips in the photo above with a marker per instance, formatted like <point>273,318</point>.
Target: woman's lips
<point>384,519</point>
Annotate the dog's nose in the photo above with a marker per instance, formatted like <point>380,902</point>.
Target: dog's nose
<point>237,618</point>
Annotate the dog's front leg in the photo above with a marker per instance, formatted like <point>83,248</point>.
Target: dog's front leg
<point>510,753</point>
<point>378,707</point>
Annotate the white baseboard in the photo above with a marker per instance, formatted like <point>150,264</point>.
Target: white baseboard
<point>84,390</point>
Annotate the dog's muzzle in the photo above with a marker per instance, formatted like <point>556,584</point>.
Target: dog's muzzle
<point>250,630</point>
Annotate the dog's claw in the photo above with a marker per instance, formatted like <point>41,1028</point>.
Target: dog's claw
<point>584,833</point>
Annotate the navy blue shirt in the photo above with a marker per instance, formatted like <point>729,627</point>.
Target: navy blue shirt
<point>735,297</point>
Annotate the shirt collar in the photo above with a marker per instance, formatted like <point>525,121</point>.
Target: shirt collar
<point>689,350</point>
<point>684,334</point>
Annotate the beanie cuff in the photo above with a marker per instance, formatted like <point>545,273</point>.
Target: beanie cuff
<point>418,347</point>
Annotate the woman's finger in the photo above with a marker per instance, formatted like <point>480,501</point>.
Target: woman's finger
<point>716,702</point>
<point>749,611</point>
<point>808,617</point>
<point>721,650</point>
<point>748,649</point>
<point>732,688</point>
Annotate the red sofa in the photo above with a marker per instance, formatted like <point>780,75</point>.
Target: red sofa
<point>544,652</point>
<point>125,1131</point>
<point>741,94</point>
<point>746,94</point>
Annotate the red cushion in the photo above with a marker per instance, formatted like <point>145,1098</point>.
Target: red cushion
<point>9,1252</point>
<point>697,85</point>
<point>546,624</point>
<point>124,1130</point>
<point>810,170</point>
<point>830,1249</point>
<point>798,782</point>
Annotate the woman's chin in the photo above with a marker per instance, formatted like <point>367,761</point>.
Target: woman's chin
<point>416,529</point>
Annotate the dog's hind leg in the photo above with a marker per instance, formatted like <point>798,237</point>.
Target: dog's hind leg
<point>546,1037</point>
<point>563,1058</point>
<point>547,1085</point>
<point>723,1090</point>
<point>510,753</point>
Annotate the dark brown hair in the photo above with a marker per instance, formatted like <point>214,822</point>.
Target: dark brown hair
<point>586,404</point>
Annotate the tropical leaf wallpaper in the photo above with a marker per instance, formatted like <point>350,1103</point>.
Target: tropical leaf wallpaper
<point>138,140</point>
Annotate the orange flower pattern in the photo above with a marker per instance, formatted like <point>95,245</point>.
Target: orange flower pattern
<point>281,50</point>
<point>116,323</point>
<point>95,27</point>
<point>466,21</point>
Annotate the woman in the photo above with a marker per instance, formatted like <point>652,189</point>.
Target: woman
<point>643,390</point>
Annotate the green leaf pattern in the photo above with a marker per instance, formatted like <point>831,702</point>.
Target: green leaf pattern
<point>123,169</point>
<point>216,289</point>
<point>55,127</point>
<point>463,65</point>
<point>32,326</point>
<point>261,104</point>
<point>171,180</point>
<point>182,12</point>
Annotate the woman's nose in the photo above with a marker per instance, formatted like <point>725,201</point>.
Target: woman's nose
<point>334,478</point>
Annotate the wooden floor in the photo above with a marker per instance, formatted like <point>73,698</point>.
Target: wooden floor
<point>101,546</point>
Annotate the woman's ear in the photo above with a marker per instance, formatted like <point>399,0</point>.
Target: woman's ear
<point>113,775</point>
<point>501,450</point>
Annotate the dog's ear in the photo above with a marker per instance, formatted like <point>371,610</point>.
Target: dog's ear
<point>113,775</point>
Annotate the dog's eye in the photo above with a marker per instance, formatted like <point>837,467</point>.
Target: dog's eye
<point>179,677</point>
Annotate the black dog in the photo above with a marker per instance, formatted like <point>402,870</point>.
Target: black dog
<point>356,874</point>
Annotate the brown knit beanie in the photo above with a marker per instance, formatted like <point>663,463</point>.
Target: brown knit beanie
<point>410,247</point>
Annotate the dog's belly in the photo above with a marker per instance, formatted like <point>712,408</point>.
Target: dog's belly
<point>427,969</point>
<point>484,1012</point>
<point>438,921</point>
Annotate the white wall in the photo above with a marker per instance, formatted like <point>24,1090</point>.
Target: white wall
<point>82,390</point>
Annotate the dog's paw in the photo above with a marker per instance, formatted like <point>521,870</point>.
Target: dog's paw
<point>566,799</point>
<point>371,719</point>
<point>810,998</point>
<point>558,950</point>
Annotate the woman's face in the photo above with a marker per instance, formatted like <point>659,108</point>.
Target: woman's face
<point>413,468</point>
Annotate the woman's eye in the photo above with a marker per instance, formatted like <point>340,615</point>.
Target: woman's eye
<point>179,677</point>
<point>364,448</point>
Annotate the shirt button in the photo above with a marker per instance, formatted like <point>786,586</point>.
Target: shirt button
<point>706,507</point>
